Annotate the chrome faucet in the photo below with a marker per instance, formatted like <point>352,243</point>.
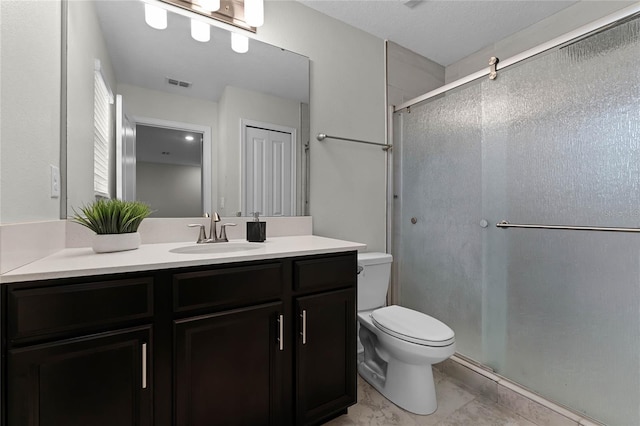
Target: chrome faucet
<point>213,234</point>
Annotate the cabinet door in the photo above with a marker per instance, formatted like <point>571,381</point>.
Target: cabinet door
<point>98,380</point>
<point>326,355</point>
<point>229,367</point>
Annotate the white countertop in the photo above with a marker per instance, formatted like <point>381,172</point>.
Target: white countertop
<point>75,262</point>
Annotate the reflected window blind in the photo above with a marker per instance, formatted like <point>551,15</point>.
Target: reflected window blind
<point>102,99</point>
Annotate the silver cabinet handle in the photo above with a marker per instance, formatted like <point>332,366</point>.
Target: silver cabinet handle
<point>303,315</point>
<point>144,366</point>
<point>281,331</point>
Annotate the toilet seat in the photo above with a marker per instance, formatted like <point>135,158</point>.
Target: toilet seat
<point>412,326</point>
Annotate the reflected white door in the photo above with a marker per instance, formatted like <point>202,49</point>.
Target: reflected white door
<point>269,164</point>
<point>125,154</point>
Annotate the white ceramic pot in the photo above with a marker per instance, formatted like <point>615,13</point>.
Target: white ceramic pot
<point>107,243</point>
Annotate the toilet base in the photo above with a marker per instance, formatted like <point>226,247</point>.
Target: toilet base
<point>410,387</point>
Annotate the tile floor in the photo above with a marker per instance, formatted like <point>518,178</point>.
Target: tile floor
<point>457,406</point>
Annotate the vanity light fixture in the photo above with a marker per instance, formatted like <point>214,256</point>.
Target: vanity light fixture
<point>200,31</point>
<point>155,16</point>
<point>232,14</point>
<point>254,12</point>
<point>239,43</point>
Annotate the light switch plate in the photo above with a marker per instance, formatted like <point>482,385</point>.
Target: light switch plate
<point>55,181</point>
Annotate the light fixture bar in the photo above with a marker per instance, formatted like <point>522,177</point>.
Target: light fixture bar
<point>230,15</point>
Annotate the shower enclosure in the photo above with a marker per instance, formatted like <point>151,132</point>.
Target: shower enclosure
<point>554,140</point>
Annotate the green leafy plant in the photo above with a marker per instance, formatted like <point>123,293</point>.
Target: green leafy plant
<point>112,216</point>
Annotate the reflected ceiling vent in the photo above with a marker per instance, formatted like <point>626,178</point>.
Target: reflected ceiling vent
<point>413,3</point>
<point>179,83</point>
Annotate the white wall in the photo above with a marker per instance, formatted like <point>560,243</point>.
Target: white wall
<point>85,44</point>
<point>566,20</point>
<point>171,190</point>
<point>30,73</point>
<point>141,102</point>
<point>347,99</point>
<point>235,104</point>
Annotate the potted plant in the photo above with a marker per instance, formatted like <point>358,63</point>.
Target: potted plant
<point>115,223</point>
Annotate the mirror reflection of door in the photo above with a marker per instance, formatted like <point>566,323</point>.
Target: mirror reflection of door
<point>269,161</point>
<point>169,170</point>
<point>125,153</point>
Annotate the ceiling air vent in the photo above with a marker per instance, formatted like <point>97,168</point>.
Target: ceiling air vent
<point>179,83</point>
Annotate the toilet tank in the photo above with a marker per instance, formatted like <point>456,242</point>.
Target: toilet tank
<point>373,281</point>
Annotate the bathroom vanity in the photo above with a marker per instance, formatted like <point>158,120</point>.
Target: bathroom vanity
<point>262,337</point>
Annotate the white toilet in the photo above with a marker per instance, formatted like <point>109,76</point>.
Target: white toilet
<point>396,345</point>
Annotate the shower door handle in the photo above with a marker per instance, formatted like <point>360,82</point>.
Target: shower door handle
<point>303,333</point>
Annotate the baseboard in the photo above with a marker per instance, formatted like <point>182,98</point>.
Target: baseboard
<point>516,398</point>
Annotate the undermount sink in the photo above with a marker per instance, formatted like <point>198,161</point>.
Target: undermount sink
<point>207,248</point>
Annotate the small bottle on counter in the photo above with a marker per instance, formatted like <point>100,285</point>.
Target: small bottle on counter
<point>256,230</point>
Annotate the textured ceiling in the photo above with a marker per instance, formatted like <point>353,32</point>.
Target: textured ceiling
<point>443,31</point>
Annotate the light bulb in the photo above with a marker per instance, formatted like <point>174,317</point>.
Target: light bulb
<point>210,5</point>
<point>155,17</point>
<point>239,43</point>
<point>254,12</point>
<point>200,31</point>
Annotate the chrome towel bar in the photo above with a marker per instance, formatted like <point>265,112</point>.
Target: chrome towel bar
<point>505,224</point>
<point>323,136</point>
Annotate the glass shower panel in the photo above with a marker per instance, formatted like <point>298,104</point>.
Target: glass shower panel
<point>439,258</point>
<point>566,127</point>
<point>554,140</point>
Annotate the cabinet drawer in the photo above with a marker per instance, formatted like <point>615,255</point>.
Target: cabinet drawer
<point>325,273</point>
<point>62,308</point>
<point>226,287</point>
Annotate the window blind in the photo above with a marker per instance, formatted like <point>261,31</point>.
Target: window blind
<point>102,100</point>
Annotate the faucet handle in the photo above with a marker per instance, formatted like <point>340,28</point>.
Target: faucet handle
<point>202,235</point>
<point>223,231</point>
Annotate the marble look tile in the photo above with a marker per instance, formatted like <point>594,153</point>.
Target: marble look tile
<point>478,383</point>
<point>482,412</point>
<point>531,410</point>
<point>372,409</point>
<point>451,397</point>
<point>587,422</point>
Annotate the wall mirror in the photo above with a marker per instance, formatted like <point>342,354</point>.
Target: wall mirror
<point>194,126</point>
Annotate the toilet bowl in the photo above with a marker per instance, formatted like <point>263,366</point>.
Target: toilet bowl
<point>397,345</point>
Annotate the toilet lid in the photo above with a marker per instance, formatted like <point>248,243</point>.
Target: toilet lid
<point>412,326</point>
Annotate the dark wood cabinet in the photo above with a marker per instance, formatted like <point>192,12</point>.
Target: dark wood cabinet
<point>229,368</point>
<point>98,380</point>
<point>205,345</point>
<point>325,355</point>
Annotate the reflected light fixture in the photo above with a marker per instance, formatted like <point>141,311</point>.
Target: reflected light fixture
<point>239,43</point>
<point>209,5</point>
<point>200,31</point>
<point>254,12</point>
<point>189,138</point>
<point>155,17</point>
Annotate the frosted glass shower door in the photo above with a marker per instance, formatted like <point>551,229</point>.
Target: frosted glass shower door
<point>564,131</point>
<point>438,258</point>
<point>554,140</point>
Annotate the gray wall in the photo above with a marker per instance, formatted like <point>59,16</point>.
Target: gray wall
<point>347,99</point>
<point>171,190</point>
